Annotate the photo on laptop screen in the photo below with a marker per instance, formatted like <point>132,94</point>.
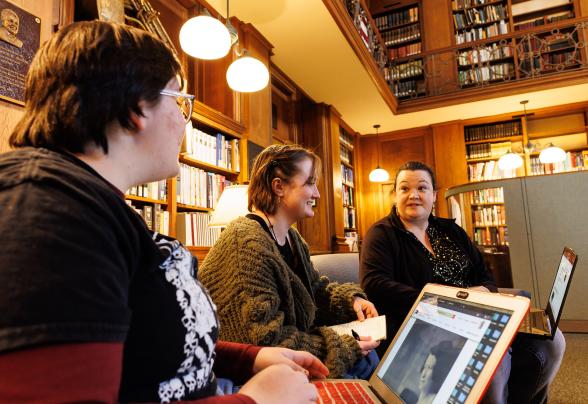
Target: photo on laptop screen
<point>442,350</point>
<point>560,285</point>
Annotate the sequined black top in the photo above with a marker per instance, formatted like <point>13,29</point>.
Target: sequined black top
<point>450,264</point>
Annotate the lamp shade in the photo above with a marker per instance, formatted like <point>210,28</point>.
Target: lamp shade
<point>510,161</point>
<point>247,75</point>
<point>552,154</point>
<point>205,37</point>
<point>379,175</point>
<point>231,204</point>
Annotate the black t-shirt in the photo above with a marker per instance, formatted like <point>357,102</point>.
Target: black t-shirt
<point>78,265</point>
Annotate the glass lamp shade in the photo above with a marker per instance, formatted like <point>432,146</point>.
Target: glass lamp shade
<point>552,154</point>
<point>510,161</point>
<point>379,175</point>
<point>231,204</point>
<point>247,75</point>
<point>205,37</point>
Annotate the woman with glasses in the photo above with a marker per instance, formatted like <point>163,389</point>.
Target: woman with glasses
<point>95,308</point>
<point>411,247</point>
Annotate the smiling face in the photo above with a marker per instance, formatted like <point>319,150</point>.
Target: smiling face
<point>300,192</point>
<point>415,196</point>
<point>10,21</point>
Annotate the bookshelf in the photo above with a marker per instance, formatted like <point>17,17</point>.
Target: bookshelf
<point>401,31</point>
<point>348,186</point>
<point>474,20</point>
<point>527,136</point>
<point>527,14</point>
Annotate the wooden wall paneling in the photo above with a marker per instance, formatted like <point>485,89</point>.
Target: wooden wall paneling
<point>450,163</point>
<point>48,12</point>
<point>368,195</point>
<point>335,179</point>
<point>315,125</point>
<point>256,106</point>
<point>284,107</point>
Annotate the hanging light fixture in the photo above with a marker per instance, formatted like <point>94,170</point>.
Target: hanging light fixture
<point>552,154</point>
<point>510,161</point>
<point>205,37</point>
<point>218,39</point>
<point>378,174</point>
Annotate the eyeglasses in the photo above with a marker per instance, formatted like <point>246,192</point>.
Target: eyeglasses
<point>185,102</point>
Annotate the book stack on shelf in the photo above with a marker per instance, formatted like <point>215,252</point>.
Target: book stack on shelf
<point>528,14</point>
<point>212,149</point>
<point>154,216</point>
<point>192,229</point>
<point>575,161</point>
<point>346,147</point>
<point>400,29</point>
<point>489,217</point>
<point>484,146</point>
<point>481,19</point>
<point>199,188</point>
<point>367,32</point>
<point>149,200</point>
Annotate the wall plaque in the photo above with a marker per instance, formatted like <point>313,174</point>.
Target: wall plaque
<point>20,35</point>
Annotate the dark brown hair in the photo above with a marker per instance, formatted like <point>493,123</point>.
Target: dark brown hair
<point>416,166</point>
<point>86,76</point>
<point>276,161</point>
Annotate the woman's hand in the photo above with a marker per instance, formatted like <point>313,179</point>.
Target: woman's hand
<point>300,361</point>
<point>364,308</point>
<point>280,384</point>
<point>366,344</point>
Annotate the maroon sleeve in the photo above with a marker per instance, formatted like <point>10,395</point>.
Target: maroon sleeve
<point>235,361</point>
<point>88,372</point>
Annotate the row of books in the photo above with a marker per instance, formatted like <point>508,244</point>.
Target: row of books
<point>484,54</point>
<point>482,150</point>
<point>412,88</point>
<point>488,170</point>
<point>519,8</point>
<point>565,15</point>
<point>474,34</point>
<point>345,138</point>
<point>352,240</point>
<point>502,71</point>
<point>489,216</point>
<point>153,190</point>
<point>413,68</point>
<point>474,16</point>
<point>349,217</point>
<point>461,4</point>
<point>488,195</point>
<point>156,218</point>
<point>200,188</point>
<point>401,35</point>
<point>497,130</point>
<point>553,61</point>
<point>192,229</point>
<point>575,161</point>
<point>404,51</point>
<point>348,196</point>
<point>346,174</point>
<point>491,236</point>
<point>397,18</point>
<point>211,149</point>
<point>345,155</point>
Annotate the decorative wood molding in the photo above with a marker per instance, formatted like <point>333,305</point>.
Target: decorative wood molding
<point>345,24</point>
<point>217,120</point>
<point>199,252</point>
<point>579,326</point>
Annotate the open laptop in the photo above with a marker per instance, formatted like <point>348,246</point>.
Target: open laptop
<point>446,350</point>
<point>542,323</point>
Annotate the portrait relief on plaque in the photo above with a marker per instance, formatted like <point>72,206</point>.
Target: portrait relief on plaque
<point>20,34</point>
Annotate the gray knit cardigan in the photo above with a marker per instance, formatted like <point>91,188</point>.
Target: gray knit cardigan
<point>261,301</point>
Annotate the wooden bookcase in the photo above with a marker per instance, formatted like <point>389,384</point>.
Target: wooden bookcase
<point>348,186</point>
<point>401,30</point>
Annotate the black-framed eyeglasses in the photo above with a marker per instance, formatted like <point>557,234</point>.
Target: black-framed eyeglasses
<point>185,102</point>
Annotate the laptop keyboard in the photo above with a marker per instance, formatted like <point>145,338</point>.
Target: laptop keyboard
<point>342,392</point>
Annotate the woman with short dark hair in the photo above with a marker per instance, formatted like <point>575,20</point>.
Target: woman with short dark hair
<point>95,308</point>
<point>260,275</point>
<point>411,247</point>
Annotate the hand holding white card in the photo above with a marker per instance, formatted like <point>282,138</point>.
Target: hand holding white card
<point>374,327</point>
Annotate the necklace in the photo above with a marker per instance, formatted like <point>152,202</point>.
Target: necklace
<point>271,227</point>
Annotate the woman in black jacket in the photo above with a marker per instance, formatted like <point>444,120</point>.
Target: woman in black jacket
<point>410,247</point>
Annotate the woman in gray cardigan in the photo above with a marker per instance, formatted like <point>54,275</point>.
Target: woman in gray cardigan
<point>261,278</point>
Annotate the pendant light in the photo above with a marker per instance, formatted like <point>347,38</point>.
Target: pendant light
<point>510,161</point>
<point>552,154</point>
<point>205,37</point>
<point>378,174</point>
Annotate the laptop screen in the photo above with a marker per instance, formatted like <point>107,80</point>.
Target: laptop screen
<point>441,351</point>
<point>560,285</point>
